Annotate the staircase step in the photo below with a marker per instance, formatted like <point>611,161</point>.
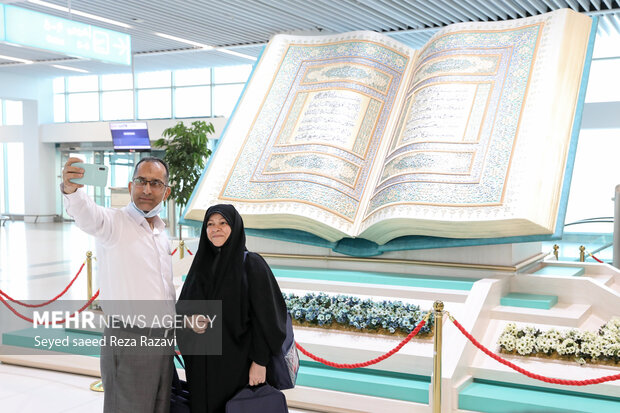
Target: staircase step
<point>499,397</point>
<point>561,270</point>
<point>369,382</point>
<point>529,300</point>
<point>562,314</point>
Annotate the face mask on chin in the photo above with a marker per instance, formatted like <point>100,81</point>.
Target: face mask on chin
<point>153,212</point>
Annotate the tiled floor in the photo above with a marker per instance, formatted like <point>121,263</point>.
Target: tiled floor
<point>24,389</point>
<point>36,262</point>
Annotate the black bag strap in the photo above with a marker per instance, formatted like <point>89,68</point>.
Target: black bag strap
<point>244,279</point>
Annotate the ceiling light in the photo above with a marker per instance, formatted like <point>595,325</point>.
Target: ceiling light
<point>16,59</point>
<point>79,13</point>
<point>245,56</point>
<point>73,69</point>
<point>179,39</point>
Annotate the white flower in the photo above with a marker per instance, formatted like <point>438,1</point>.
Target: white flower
<point>511,328</point>
<point>611,350</point>
<point>605,342</point>
<point>566,347</point>
<point>591,349</point>
<point>508,342</point>
<point>553,334</point>
<point>540,344</point>
<point>525,345</point>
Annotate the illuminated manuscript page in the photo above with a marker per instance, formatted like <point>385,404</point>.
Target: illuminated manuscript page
<point>480,147</point>
<point>301,146</point>
<point>358,135</point>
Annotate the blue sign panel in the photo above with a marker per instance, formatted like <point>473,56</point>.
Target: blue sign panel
<point>29,28</point>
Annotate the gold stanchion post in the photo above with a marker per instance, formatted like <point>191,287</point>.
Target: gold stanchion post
<point>181,249</point>
<point>96,385</point>
<point>438,307</point>
<point>556,251</point>
<point>89,275</point>
<point>582,253</point>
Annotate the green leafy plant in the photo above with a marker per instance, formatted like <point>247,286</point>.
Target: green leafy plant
<point>186,154</point>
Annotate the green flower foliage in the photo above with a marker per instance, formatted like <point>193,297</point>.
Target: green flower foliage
<point>186,153</point>
<point>583,346</point>
<point>324,310</point>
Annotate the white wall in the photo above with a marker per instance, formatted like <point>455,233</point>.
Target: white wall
<point>39,170</point>
<point>15,87</point>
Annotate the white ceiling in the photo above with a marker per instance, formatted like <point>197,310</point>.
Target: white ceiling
<point>244,26</point>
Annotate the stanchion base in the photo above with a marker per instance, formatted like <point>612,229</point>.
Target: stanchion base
<point>97,386</point>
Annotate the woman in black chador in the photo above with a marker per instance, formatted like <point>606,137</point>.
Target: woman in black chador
<point>253,312</point>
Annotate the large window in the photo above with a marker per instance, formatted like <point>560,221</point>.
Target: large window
<point>117,97</point>
<point>594,179</point>
<point>154,103</point>
<point>204,92</point>
<point>11,112</point>
<point>83,98</point>
<point>602,83</point>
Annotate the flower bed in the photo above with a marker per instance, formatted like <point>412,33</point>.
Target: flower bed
<point>352,313</point>
<point>580,346</point>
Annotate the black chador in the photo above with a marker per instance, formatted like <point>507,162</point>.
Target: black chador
<point>253,314</point>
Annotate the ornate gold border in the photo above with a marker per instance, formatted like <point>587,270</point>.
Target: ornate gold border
<point>391,77</point>
<point>358,167</point>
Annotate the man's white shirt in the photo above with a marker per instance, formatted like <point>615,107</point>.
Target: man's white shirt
<point>133,260</point>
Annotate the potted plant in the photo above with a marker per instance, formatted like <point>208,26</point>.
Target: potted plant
<point>186,154</point>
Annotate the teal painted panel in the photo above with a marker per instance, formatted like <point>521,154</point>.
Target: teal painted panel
<point>543,302</point>
<point>359,247</point>
<point>558,270</point>
<point>495,397</point>
<point>368,382</point>
<point>449,283</point>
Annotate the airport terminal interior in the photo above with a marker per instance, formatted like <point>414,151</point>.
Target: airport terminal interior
<point>72,73</point>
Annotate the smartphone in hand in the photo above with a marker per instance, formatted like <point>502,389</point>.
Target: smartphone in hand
<point>95,175</point>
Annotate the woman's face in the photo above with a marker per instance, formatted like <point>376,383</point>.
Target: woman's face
<point>218,229</point>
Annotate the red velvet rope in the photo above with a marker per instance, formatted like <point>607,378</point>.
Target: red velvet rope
<point>529,374</point>
<point>366,363</point>
<point>30,320</point>
<point>2,293</point>
<point>596,259</point>
<point>187,249</point>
